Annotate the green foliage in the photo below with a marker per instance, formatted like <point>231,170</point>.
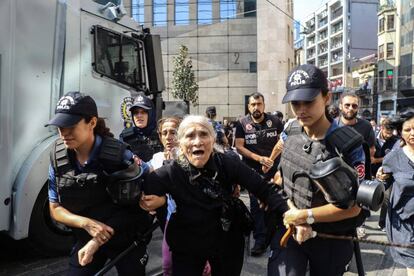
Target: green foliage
<point>184,85</point>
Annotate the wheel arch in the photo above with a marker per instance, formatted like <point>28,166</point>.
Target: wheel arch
<point>31,178</point>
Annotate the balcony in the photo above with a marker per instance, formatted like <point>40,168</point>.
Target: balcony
<point>322,62</point>
<point>363,92</point>
<point>337,13</point>
<point>386,7</point>
<point>337,58</point>
<point>336,45</point>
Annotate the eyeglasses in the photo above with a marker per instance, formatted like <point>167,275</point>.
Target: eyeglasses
<point>354,106</point>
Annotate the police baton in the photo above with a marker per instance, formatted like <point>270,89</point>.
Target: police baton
<point>136,243</point>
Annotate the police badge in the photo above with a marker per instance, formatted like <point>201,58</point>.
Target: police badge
<point>269,123</point>
<point>125,114</point>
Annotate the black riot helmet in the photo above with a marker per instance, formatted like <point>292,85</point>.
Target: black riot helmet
<point>124,186</point>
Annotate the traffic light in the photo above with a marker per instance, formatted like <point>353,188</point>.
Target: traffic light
<point>390,73</point>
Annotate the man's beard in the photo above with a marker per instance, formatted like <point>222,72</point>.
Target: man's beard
<point>349,117</point>
<point>257,114</point>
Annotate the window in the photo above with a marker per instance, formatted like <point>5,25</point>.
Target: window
<point>390,22</point>
<point>138,10</point>
<point>380,80</point>
<point>381,24</point>
<point>390,50</point>
<point>389,80</point>
<point>159,11</point>
<point>228,9</point>
<point>205,12</point>
<point>119,57</point>
<point>387,105</point>
<point>381,51</point>
<point>182,12</point>
<point>249,8</point>
<point>252,67</point>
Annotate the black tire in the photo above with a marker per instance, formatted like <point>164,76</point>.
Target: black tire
<point>46,236</point>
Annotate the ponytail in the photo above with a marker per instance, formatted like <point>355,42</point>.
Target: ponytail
<point>100,129</point>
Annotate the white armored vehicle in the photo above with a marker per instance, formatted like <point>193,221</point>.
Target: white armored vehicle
<point>48,48</point>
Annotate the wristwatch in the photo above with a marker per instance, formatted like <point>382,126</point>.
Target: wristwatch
<point>310,219</point>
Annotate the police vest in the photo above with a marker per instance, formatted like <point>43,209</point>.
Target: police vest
<point>260,141</point>
<point>143,146</point>
<point>298,156</point>
<point>78,192</point>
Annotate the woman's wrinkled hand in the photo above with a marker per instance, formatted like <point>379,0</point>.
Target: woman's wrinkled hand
<point>151,202</point>
<point>265,169</point>
<point>303,233</point>
<point>85,254</point>
<point>98,230</point>
<point>381,176</point>
<point>294,216</point>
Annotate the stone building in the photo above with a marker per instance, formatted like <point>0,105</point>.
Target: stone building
<point>237,47</point>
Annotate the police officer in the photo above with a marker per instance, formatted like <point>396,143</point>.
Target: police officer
<point>143,136</point>
<point>312,139</point>
<point>83,160</point>
<point>256,135</point>
<point>221,138</point>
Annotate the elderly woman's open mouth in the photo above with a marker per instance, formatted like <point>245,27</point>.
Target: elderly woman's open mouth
<point>198,153</point>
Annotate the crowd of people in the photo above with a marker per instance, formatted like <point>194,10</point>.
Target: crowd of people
<point>301,176</point>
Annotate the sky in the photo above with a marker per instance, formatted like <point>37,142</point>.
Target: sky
<point>302,8</point>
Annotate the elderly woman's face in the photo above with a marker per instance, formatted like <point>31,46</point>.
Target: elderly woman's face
<point>407,132</point>
<point>197,145</point>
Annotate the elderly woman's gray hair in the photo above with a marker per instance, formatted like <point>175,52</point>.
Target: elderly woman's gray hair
<point>190,120</point>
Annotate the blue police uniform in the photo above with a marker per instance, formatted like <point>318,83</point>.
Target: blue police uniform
<point>127,221</point>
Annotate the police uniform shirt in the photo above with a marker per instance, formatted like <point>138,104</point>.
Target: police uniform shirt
<point>90,164</point>
<point>259,138</point>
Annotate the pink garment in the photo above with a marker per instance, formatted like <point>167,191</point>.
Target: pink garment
<point>167,259</point>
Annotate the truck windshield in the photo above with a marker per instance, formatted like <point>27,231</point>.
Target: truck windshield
<point>120,58</point>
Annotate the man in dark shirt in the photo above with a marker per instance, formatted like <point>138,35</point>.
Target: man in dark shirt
<point>384,143</point>
<point>256,135</point>
<point>349,105</point>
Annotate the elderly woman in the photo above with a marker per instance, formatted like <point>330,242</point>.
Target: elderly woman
<point>398,171</point>
<point>204,227</point>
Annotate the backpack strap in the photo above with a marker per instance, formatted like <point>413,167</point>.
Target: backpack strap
<point>59,158</point>
<point>344,139</point>
<point>293,128</point>
<point>128,134</point>
<point>111,155</point>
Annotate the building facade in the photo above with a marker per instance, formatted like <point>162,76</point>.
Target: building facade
<point>388,57</point>
<point>237,47</point>
<point>404,33</point>
<point>338,34</point>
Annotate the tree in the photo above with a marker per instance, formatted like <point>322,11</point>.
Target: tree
<point>184,86</point>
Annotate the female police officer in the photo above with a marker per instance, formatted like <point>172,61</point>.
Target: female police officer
<point>310,139</point>
<point>82,160</point>
<point>143,136</point>
<point>204,226</point>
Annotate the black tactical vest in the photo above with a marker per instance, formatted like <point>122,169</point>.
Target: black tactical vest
<point>298,156</point>
<point>143,146</point>
<point>78,192</point>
